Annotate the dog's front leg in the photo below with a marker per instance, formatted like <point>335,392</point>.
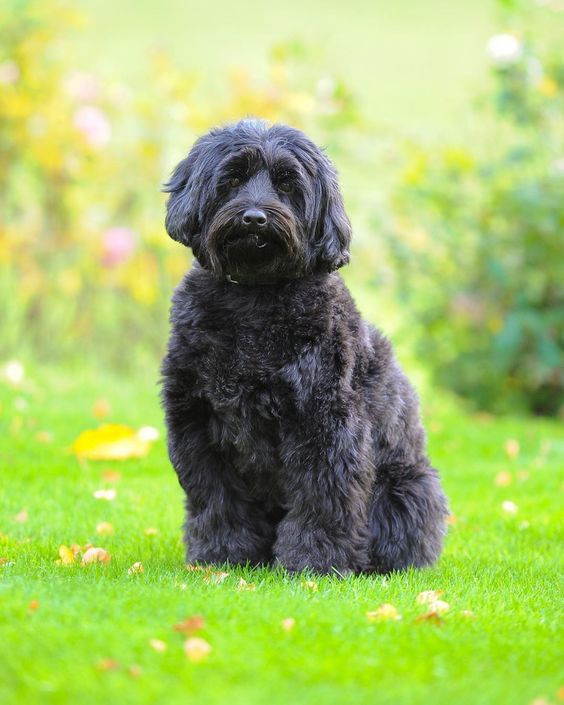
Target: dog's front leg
<point>222,523</point>
<point>327,484</point>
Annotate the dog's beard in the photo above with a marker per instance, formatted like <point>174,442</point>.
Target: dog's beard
<point>265,254</point>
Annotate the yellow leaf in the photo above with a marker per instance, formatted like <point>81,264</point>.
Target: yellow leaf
<point>384,613</point>
<point>244,585</point>
<point>21,517</point>
<point>66,555</point>
<point>512,448</point>
<point>110,442</point>
<point>428,596</point>
<point>196,649</point>
<point>101,408</point>
<point>288,624</point>
<point>158,645</point>
<point>310,585</point>
<point>136,568</point>
<point>104,528</point>
<point>503,478</point>
<point>215,577</point>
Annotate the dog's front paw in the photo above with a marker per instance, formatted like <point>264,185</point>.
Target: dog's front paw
<point>297,549</point>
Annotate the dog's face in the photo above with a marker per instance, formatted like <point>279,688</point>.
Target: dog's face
<point>258,204</point>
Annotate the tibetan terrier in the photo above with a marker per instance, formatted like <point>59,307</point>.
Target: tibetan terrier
<point>292,429</point>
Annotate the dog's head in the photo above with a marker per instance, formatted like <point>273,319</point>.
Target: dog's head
<point>258,204</point>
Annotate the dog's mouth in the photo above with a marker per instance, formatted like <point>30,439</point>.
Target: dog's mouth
<point>247,239</point>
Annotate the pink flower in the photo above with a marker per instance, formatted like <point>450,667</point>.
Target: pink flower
<point>82,86</point>
<point>93,124</point>
<point>9,72</point>
<point>118,245</point>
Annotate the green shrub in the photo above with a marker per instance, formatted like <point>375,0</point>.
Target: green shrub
<point>477,241</point>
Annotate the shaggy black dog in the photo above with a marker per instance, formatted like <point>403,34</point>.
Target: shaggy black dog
<point>292,429</point>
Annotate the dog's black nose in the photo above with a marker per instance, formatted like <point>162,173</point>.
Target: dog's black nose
<point>254,216</point>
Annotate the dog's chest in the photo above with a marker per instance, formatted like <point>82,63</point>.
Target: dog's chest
<point>241,375</point>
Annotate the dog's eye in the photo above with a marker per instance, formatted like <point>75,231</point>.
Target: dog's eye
<point>285,187</point>
<point>234,182</point>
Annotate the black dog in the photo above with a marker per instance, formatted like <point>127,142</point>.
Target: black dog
<point>294,432</point>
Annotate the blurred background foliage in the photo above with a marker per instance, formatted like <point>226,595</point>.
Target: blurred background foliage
<point>459,251</point>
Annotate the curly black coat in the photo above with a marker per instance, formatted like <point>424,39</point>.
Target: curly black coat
<point>292,429</point>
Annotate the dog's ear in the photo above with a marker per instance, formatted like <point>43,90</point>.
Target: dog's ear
<point>187,187</point>
<point>332,228</point>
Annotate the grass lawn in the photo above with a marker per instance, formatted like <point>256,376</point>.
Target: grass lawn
<point>86,638</point>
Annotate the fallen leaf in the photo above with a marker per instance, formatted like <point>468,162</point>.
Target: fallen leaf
<point>509,507</point>
<point>44,436</point>
<point>21,517</point>
<point>107,664</point>
<point>560,693</point>
<point>101,408</point>
<point>216,577</point>
<point>158,645</point>
<point>148,433</point>
<point>244,585</point>
<point>428,596</point>
<point>503,479</point>
<point>111,475</point>
<point>197,649</point>
<point>66,556</point>
<point>288,624</point>
<point>432,617</point>
<point>439,606</point>
<point>512,448</point>
<point>104,528</point>
<point>193,568</point>
<point>33,606</point>
<point>136,568</point>
<point>95,555</point>
<point>310,585</point>
<point>151,531</point>
<point>108,495</point>
<point>135,671</point>
<point>451,520</point>
<point>384,613</point>
<point>190,625</point>
<point>110,442</point>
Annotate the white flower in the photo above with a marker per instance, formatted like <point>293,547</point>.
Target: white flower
<point>509,507</point>
<point>14,372</point>
<point>504,50</point>
<point>108,495</point>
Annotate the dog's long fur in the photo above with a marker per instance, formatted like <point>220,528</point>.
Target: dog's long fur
<point>292,429</point>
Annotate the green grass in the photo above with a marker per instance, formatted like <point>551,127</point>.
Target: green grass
<point>494,564</point>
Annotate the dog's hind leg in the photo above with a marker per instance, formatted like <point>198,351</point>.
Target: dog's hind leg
<point>406,518</point>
